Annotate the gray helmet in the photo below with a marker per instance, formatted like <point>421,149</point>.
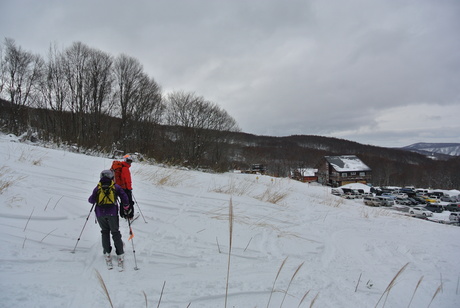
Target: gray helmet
<point>107,174</point>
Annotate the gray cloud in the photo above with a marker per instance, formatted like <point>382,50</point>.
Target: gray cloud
<point>333,68</point>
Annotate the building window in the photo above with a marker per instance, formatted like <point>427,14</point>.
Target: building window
<point>344,175</point>
<point>353,173</point>
<point>362,173</point>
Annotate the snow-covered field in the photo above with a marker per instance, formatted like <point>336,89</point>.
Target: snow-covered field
<point>337,252</point>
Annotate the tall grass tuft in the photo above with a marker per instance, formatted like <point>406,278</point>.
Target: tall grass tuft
<point>161,294</point>
<point>7,180</point>
<point>435,293</point>
<point>392,283</point>
<point>276,278</point>
<point>230,223</point>
<point>145,298</point>
<point>235,188</point>
<point>273,194</point>
<point>104,287</point>
<point>25,227</point>
<point>290,281</point>
<point>303,298</point>
<point>416,287</point>
<point>164,176</point>
<point>314,300</point>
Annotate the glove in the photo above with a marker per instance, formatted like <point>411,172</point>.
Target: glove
<point>127,210</point>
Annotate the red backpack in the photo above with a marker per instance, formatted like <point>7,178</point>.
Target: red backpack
<point>116,168</point>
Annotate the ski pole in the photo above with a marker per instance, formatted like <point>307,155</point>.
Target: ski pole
<point>131,237</point>
<point>73,251</point>
<point>135,201</point>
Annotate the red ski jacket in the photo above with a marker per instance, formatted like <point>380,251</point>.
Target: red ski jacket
<point>126,182</point>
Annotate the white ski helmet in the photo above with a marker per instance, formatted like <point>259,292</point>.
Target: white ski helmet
<point>107,174</point>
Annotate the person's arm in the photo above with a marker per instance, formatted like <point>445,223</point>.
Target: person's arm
<point>121,193</point>
<point>93,198</point>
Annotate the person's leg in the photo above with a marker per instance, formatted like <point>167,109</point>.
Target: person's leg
<point>116,235</point>
<point>129,193</point>
<point>105,233</point>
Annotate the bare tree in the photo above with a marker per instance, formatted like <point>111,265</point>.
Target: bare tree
<point>138,99</point>
<point>99,80</point>
<point>196,121</point>
<point>2,71</point>
<point>22,72</point>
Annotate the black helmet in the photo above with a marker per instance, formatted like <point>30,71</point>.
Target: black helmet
<point>107,174</point>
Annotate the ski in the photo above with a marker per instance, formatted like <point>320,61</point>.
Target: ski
<point>135,217</point>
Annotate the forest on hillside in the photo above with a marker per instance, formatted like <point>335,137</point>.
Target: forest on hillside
<point>93,101</point>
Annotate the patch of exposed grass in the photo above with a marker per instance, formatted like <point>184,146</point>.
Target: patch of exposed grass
<point>7,179</point>
<point>164,176</point>
<point>275,194</point>
<point>32,156</point>
<point>330,200</point>
<point>235,188</point>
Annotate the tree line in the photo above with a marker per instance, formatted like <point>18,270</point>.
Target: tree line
<point>87,97</point>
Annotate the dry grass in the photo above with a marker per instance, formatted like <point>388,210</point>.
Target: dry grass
<point>33,156</point>
<point>290,282</point>
<point>104,287</point>
<point>164,177</point>
<point>366,212</point>
<point>276,278</point>
<point>230,224</point>
<point>331,201</point>
<point>435,293</point>
<point>418,284</point>
<point>7,179</point>
<point>235,188</point>
<point>392,283</point>
<point>274,193</point>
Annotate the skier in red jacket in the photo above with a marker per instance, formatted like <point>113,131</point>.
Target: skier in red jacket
<point>126,183</point>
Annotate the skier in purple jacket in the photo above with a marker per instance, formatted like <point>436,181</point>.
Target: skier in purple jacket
<point>105,195</point>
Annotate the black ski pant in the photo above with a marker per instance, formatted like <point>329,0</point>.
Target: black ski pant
<point>110,224</point>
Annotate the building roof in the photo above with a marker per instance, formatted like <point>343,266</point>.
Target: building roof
<point>306,171</point>
<point>346,163</point>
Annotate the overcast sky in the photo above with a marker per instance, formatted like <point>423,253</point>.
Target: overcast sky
<point>381,72</point>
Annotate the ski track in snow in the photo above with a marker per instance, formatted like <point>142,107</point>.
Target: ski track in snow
<point>185,242</point>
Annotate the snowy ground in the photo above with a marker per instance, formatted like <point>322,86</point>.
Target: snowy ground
<point>349,252</point>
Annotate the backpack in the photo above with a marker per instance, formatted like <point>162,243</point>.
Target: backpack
<point>106,194</point>
<point>116,168</point>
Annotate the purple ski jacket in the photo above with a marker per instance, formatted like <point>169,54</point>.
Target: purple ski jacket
<point>108,210</point>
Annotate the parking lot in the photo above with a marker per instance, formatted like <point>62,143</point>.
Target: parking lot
<point>433,205</point>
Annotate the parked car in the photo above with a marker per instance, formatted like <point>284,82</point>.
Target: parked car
<point>386,201</point>
<point>349,196</point>
<point>413,201</point>
<point>372,201</point>
<point>453,207</point>
<point>420,212</point>
<point>436,194</point>
<point>436,208</point>
<point>419,200</point>
<point>454,217</point>
<point>402,201</point>
<point>337,191</point>
<point>449,198</point>
<point>430,200</point>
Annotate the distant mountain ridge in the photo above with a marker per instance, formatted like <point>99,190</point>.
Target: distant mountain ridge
<point>434,149</point>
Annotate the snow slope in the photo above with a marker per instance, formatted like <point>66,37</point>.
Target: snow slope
<point>339,253</point>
